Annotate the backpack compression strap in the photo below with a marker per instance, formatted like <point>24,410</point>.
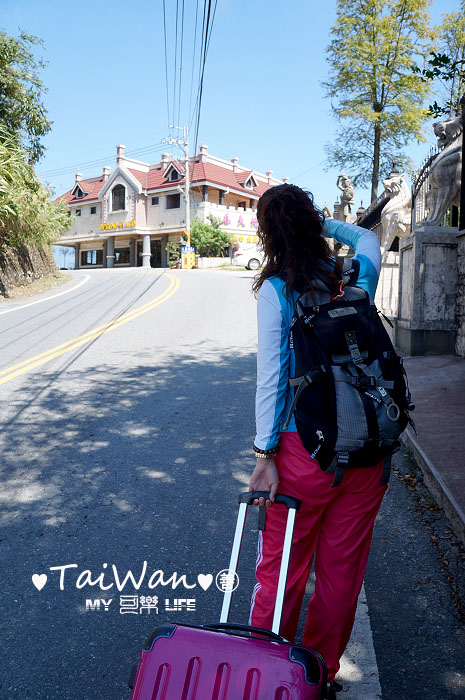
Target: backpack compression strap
<point>301,383</point>
<point>392,409</point>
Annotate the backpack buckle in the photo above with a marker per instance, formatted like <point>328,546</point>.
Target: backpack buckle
<point>351,340</point>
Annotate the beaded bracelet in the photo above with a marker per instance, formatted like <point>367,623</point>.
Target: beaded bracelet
<point>265,454</point>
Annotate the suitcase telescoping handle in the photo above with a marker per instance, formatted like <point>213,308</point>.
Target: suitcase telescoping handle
<point>246,628</point>
<point>248,497</point>
<point>245,499</point>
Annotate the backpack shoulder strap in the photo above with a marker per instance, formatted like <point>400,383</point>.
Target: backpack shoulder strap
<point>350,271</point>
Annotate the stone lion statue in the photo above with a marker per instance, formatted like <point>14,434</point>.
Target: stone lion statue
<point>446,169</point>
<point>396,215</point>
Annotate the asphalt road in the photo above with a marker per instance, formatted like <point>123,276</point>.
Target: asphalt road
<point>127,415</point>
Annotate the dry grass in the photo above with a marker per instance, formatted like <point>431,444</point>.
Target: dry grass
<point>37,287</point>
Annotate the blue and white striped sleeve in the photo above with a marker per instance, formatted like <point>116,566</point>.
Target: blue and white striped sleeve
<point>366,247</point>
<point>272,366</point>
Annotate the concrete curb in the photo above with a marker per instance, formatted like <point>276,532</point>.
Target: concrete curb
<point>437,486</point>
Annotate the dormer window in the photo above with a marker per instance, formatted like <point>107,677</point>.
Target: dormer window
<point>251,181</point>
<point>118,196</point>
<point>174,175</point>
<point>79,193</point>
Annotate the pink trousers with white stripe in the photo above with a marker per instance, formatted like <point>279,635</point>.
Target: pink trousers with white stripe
<point>334,526</point>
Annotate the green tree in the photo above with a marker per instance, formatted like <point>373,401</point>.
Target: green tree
<point>22,112</point>
<point>446,67</point>
<point>375,95</point>
<point>26,213</point>
<point>209,239</point>
<point>174,252</point>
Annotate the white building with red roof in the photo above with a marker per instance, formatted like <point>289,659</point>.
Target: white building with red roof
<point>118,217</point>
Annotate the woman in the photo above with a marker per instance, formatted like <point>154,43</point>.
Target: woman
<point>334,525</point>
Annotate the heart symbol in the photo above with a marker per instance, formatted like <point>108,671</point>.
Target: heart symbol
<point>205,580</point>
<point>39,580</point>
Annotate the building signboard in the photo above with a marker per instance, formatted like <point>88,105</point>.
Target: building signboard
<point>187,257</point>
<point>118,224</point>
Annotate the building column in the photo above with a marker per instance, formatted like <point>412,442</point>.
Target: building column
<point>110,256</point>
<point>146,253</point>
<point>77,253</point>
<point>164,254</point>
<point>132,252</point>
<point>105,254</point>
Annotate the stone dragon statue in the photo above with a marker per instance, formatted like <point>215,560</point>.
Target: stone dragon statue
<point>446,169</point>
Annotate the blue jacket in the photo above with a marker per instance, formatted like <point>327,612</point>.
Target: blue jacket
<point>275,360</point>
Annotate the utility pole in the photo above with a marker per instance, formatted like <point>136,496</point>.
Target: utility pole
<point>184,143</point>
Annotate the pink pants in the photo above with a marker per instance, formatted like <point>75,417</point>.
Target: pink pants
<point>335,525</point>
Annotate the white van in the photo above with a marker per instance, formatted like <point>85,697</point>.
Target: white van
<point>250,257</point>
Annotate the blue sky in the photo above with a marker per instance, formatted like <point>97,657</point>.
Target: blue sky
<point>263,101</point>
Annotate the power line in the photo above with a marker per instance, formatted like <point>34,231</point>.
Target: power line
<point>96,163</point>
<point>175,63</point>
<point>200,63</point>
<point>180,63</point>
<point>154,148</point>
<point>309,170</point>
<point>203,60</point>
<point>166,65</point>
<point>193,55</point>
<point>208,33</point>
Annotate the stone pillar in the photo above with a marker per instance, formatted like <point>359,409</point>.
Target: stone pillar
<point>132,252</point>
<point>146,253</point>
<point>77,255</point>
<point>164,253</point>
<point>460,306</point>
<point>427,291</point>
<point>387,291</point>
<point>110,254</point>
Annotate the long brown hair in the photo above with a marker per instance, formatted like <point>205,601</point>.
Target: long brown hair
<point>290,230</point>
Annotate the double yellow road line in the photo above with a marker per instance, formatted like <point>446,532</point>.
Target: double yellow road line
<point>22,367</point>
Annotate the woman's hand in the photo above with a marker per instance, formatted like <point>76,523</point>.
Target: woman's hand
<point>264,478</point>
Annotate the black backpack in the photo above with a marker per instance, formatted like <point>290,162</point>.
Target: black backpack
<point>351,394</point>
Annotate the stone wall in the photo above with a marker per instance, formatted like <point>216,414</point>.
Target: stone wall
<point>211,262</point>
<point>460,306</point>
<point>21,266</point>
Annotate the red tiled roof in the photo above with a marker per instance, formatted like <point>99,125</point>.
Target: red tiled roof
<point>243,177</point>
<point>199,172</point>
<point>91,189</point>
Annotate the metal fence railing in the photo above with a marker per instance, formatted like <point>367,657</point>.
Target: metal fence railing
<point>462,192</point>
<point>370,217</point>
<point>421,188</point>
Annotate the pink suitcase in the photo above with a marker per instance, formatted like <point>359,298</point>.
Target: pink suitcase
<point>224,661</point>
